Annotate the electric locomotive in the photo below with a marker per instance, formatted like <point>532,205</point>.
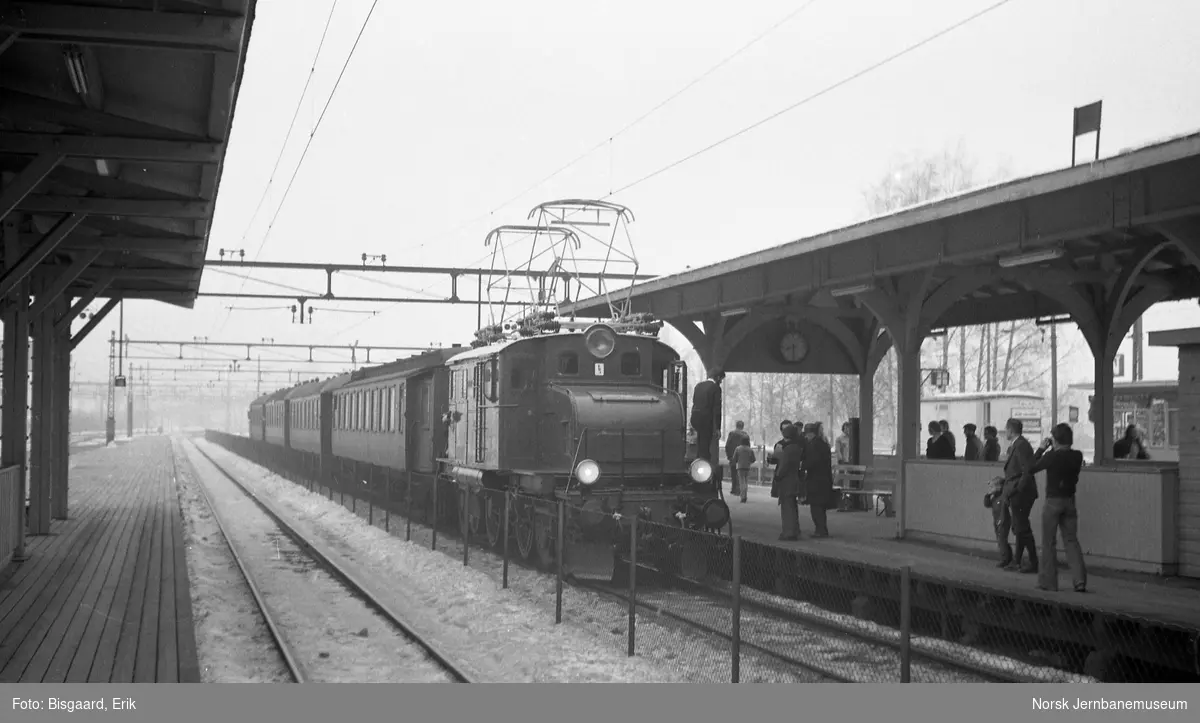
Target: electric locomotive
<point>594,418</point>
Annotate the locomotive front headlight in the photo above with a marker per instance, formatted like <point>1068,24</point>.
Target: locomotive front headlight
<point>587,472</point>
<point>701,470</point>
<point>600,341</point>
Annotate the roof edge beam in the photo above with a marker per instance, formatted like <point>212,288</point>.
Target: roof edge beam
<point>196,210</point>
<point>16,102</point>
<point>89,25</point>
<point>151,150</point>
<point>116,243</point>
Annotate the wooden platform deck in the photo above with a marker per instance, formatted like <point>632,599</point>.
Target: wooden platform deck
<point>864,538</point>
<point>105,597</point>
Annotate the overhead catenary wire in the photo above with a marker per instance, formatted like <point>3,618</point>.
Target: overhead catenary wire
<point>312,135</point>
<point>802,102</point>
<point>291,126</point>
<point>248,277</point>
<point>638,120</point>
<point>608,139</point>
<point>808,99</point>
<point>316,127</point>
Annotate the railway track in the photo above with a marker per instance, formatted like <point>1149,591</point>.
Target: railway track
<point>297,588</point>
<point>833,652</point>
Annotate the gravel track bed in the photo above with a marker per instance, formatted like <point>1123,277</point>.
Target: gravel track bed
<point>233,643</point>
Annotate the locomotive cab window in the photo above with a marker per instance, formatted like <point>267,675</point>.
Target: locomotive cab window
<point>568,363</point>
<point>493,379</point>
<point>522,377</point>
<point>631,364</point>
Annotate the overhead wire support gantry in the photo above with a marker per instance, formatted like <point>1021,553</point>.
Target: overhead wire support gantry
<point>453,272</point>
<point>250,345</point>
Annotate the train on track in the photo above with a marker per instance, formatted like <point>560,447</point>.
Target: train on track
<point>544,410</point>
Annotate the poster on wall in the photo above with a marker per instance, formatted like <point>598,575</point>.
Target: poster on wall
<point>1031,420</point>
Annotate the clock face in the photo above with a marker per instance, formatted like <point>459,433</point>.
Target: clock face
<point>793,347</point>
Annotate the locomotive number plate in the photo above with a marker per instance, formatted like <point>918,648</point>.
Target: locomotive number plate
<point>599,369</point>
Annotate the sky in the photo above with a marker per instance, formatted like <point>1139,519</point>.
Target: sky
<point>449,114</point>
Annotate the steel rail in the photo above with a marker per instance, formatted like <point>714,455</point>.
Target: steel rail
<point>348,578</point>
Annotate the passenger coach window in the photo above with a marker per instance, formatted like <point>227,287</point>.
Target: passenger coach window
<point>568,363</point>
<point>631,364</point>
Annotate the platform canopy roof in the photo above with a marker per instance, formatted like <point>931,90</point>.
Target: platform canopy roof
<point>114,119</point>
<point>1080,225</point>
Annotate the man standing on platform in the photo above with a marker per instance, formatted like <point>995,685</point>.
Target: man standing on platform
<point>950,437</point>
<point>1020,491</point>
<point>972,446</point>
<point>706,414</point>
<point>843,445</point>
<point>736,439</point>
<point>817,479</point>
<point>991,445</point>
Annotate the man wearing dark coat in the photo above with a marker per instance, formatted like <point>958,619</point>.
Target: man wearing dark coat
<point>938,446</point>
<point>736,438</point>
<point>817,466</point>
<point>786,485</point>
<point>706,413</point>
<point>945,425</point>
<point>1020,492</point>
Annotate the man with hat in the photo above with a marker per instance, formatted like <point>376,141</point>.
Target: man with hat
<point>972,445</point>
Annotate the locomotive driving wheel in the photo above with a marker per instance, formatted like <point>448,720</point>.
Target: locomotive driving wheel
<point>524,519</point>
<point>493,510</point>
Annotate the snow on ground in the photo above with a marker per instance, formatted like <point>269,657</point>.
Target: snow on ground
<point>334,635</point>
<point>688,653</point>
<point>233,643</point>
<point>496,631</point>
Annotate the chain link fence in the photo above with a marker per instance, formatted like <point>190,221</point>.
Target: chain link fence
<point>715,608</point>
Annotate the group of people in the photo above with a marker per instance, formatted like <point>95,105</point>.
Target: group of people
<point>942,445</point>
<point>1011,499</point>
<point>803,474</point>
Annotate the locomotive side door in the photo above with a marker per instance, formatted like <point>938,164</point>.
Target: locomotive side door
<point>424,426</point>
<point>520,410</point>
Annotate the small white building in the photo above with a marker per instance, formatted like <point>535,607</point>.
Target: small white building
<point>985,409</point>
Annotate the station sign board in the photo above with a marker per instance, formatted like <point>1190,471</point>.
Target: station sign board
<point>1031,419</point>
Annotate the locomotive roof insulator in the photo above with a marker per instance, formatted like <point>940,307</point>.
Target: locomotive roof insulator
<point>600,340</point>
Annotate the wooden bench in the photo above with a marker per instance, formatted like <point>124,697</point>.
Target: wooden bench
<point>849,480</point>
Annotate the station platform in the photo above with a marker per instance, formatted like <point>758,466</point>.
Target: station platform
<point>862,537</point>
<point>105,597</point>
